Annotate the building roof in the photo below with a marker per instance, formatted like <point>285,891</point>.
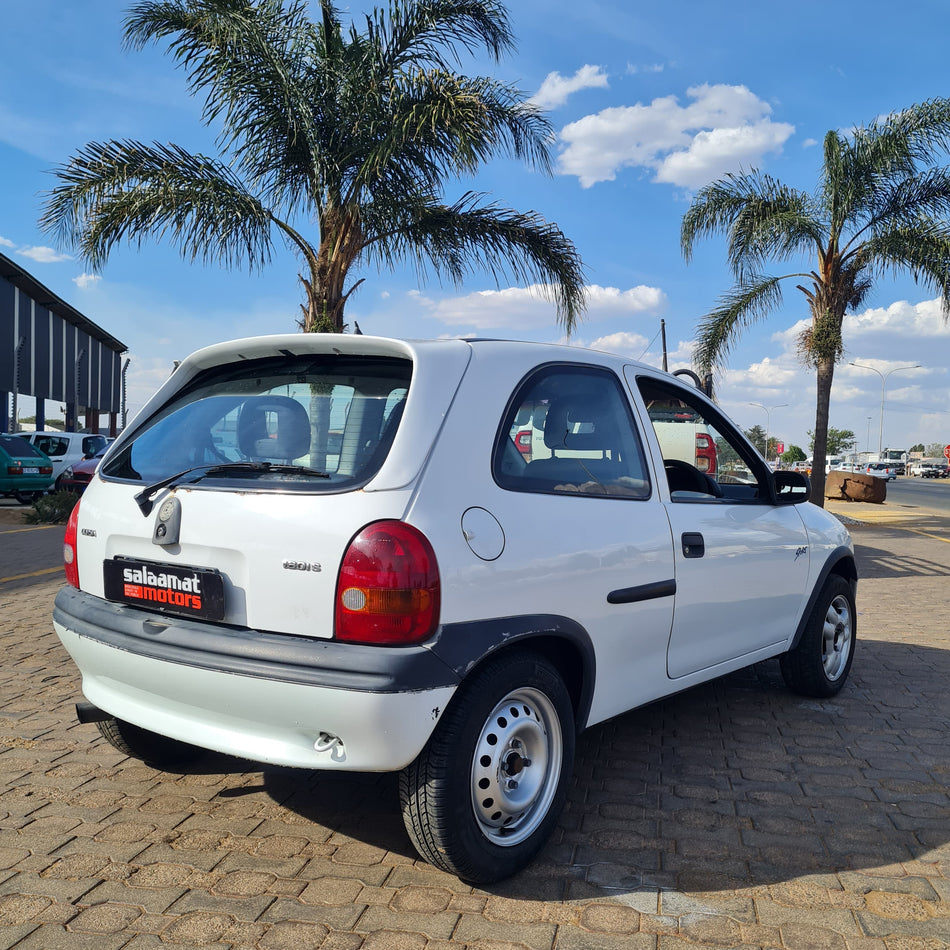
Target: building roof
<point>46,298</point>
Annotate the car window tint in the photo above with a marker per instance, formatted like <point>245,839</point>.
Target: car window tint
<point>704,457</point>
<point>52,444</point>
<point>92,443</point>
<point>334,415</point>
<point>569,430</point>
<point>16,447</point>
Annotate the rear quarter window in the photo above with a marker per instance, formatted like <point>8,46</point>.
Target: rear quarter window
<point>569,430</point>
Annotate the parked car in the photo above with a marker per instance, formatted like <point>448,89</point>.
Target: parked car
<point>77,476</point>
<point>25,472</point>
<point>428,600</point>
<point>881,470</point>
<point>66,448</point>
<point>929,468</point>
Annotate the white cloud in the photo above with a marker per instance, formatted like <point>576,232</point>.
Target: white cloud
<point>85,281</point>
<point>712,154</point>
<point>6,243</point>
<point>920,319</point>
<point>632,345</point>
<point>43,255</point>
<point>556,88</point>
<point>723,128</point>
<point>639,299</point>
<point>633,69</point>
<point>527,308</point>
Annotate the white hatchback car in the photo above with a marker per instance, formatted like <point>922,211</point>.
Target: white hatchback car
<point>66,448</point>
<point>332,552</point>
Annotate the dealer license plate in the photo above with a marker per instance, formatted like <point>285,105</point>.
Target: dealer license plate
<point>171,588</point>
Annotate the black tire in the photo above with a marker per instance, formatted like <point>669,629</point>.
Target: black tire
<point>27,497</point>
<point>819,665</point>
<point>464,808</point>
<point>158,751</point>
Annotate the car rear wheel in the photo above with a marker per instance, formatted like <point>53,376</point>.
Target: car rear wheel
<point>27,497</point>
<point>820,663</point>
<point>485,793</point>
<point>153,749</point>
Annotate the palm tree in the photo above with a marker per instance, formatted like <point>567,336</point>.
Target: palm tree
<point>881,207</point>
<point>349,134</point>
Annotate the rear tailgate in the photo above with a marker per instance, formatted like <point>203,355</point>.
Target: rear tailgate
<point>277,554</point>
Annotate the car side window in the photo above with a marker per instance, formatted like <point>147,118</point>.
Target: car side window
<point>704,458</point>
<point>569,430</point>
<point>52,445</point>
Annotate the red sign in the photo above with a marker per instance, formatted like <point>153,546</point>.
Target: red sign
<point>946,451</point>
<point>780,448</point>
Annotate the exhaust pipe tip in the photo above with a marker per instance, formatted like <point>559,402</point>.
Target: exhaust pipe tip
<point>87,712</point>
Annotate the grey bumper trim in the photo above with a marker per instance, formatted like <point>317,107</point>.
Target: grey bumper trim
<point>309,661</point>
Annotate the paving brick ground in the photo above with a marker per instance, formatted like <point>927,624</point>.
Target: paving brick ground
<point>735,814</point>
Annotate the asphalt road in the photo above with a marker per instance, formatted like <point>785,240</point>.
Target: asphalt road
<point>28,553</point>
<point>931,493</point>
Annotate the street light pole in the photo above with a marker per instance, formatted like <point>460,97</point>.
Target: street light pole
<point>897,369</point>
<point>768,418</point>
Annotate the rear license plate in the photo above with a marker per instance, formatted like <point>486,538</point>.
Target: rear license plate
<point>172,588</point>
<point>31,471</point>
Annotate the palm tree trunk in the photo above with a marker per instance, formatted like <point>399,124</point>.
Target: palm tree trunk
<point>826,372</point>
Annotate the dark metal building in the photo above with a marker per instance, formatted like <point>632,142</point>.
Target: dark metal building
<point>49,350</point>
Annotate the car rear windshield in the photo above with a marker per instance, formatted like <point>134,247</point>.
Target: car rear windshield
<point>18,448</point>
<point>317,423</point>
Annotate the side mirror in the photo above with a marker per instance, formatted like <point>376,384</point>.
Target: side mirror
<point>790,488</point>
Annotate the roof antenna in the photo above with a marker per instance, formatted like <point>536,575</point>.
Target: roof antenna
<point>357,331</point>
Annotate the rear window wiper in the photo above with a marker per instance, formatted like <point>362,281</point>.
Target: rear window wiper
<point>144,498</point>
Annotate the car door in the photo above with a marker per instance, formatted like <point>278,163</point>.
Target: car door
<point>741,561</point>
<point>586,534</point>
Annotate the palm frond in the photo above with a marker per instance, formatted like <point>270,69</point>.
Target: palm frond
<point>761,218</point>
<point>410,35</point>
<point>922,195</point>
<point>456,240</point>
<point>438,125</point>
<point>921,249</point>
<point>125,191</point>
<point>248,61</point>
<point>876,157</point>
<point>744,305</point>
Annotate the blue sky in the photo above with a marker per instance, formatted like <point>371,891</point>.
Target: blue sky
<point>650,102</point>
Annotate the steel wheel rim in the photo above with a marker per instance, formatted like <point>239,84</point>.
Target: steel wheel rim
<point>836,636</point>
<point>516,767</point>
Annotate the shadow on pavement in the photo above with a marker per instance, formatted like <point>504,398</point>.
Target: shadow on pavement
<point>880,563</point>
<point>734,784</point>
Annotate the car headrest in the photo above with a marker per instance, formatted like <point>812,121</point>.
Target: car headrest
<point>273,427</point>
<point>580,424</point>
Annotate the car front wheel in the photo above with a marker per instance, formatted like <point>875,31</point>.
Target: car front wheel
<point>819,665</point>
<point>486,791</point>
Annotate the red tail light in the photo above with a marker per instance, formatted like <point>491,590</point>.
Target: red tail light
<point>388,591</point>
<point>70,561</point>
<point>705,453</point>
<point>46,470</point>
<point>15,469</point>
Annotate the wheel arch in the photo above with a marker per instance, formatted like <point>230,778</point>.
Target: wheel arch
<point>564,643</point>
<point>840,562</point>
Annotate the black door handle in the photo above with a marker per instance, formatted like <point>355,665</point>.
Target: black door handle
<point>694,545</point>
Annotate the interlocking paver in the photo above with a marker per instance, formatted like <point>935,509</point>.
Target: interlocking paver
<point>733,815</point>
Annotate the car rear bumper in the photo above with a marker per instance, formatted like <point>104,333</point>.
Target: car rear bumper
<point>271,698</point>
